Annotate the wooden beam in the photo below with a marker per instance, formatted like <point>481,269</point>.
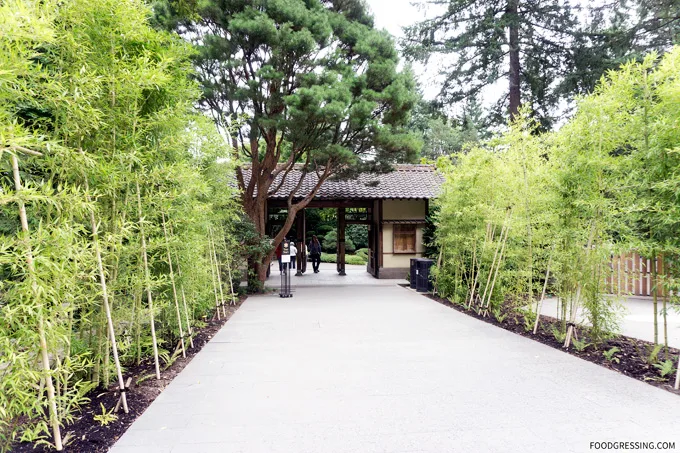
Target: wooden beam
<point>341,241</point>
<point>276,203</point>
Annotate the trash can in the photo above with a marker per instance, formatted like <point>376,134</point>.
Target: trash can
<point>423,282</point>
<point>413,273</point>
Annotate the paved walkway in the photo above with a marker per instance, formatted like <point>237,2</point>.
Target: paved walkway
<point>328,276</point>
<point>383,369</point>
<point>636,319</point>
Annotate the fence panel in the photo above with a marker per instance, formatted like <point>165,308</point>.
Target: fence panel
<point>631,274</point>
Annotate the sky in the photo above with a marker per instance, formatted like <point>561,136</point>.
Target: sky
<point>392,15</point>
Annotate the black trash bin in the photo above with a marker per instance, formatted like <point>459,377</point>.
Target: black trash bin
<point>423,282</point>
<point>414,273</point>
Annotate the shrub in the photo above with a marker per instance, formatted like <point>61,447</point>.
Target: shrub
<point>349,259</point>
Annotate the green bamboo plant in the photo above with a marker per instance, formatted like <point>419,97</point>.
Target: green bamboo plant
<point>101,154</point>
<point>605,183</point>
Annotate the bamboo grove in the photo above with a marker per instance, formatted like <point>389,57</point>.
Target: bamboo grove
<point>529,214</point>
<point>115,212</point>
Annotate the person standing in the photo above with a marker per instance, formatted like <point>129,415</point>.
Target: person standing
<point>315,253</point>
<point>279,250</point>
<point>293,254</point>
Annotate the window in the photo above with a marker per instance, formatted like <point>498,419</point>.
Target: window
<point>404,239</point>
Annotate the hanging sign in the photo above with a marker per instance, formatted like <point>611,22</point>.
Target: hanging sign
<point>285,252</point>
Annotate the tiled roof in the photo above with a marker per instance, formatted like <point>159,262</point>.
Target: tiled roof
<point>407,181</point>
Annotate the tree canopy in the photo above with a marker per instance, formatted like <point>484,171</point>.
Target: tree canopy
<point>305,82</point>
<point>540,49</point>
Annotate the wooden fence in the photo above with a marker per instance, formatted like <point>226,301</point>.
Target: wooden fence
<point>631,274</point>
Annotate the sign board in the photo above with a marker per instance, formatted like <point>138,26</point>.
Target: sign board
<point>285,252</point>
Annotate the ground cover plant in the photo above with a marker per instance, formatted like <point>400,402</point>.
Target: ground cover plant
<point>530,214</point>
<point>110,192</point>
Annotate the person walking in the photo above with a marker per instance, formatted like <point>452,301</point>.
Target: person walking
<point>315,253</point>
<point>278,252</point>
<point>293,254</point>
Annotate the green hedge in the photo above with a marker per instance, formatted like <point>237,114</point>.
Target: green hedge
<point>349,259</point>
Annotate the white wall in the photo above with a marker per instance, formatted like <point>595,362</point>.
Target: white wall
<point>401,210</point>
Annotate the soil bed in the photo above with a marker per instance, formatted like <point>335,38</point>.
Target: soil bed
<point>631,359</point>
<point>88,435</point>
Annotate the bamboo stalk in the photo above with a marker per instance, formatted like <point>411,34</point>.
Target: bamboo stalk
<point>147,281</point>
<point>493,264</point>
<point>217,271</point>
<point>487,237</point>
<point>174,288</point>
<point>214,281</point>
<point>105,298</point>
<point>138,327</point>
<point>539,304</point>
<point>576,302</point>
<point>498,266</point>
<point>231,280</point>
<point>655,298</point>
<point>184,302</point>
<point>184,298</point>
<point>127,385</point>
<point>42,339</point>
<point>473,280</point>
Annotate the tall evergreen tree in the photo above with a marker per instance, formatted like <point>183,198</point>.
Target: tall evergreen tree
<point>614,33</point>
<point>539,47</point>
<point>516,40</point>
<point>311,76</point>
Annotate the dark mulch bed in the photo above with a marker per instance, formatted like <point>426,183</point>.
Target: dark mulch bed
<point>632,355</point>
<point>88,435</point>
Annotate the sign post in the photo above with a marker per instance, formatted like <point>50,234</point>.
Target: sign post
<point>285,270</point>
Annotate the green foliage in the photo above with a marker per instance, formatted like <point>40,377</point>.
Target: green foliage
<point>349,259</point>
<point>665,368</point>
<point>610,354</point>
<point>580,345</point>
<point>105,417</point>
<point>563,47</point>
<point>107,101</point>
<point>558,334</point>
<point>317,84</point>
<point>600,185</point>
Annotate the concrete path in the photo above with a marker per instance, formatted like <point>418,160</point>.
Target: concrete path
<point>384,369</point>
<point>636,319</point>
<point>328,276</point>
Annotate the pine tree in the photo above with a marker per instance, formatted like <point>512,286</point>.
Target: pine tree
<point>520,41</point>
<point>311,82</point>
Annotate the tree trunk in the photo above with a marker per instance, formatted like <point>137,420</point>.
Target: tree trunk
<point>512,13</point>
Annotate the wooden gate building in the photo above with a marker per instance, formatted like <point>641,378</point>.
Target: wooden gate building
<point>395,206</point>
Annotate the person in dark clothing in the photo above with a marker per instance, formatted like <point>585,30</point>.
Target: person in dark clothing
<point>279,250</point>
<point>315,253</point>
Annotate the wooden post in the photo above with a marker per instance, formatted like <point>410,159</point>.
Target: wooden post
<point>42,339</point>
<point>300,227</point>
<point>341,241</point>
